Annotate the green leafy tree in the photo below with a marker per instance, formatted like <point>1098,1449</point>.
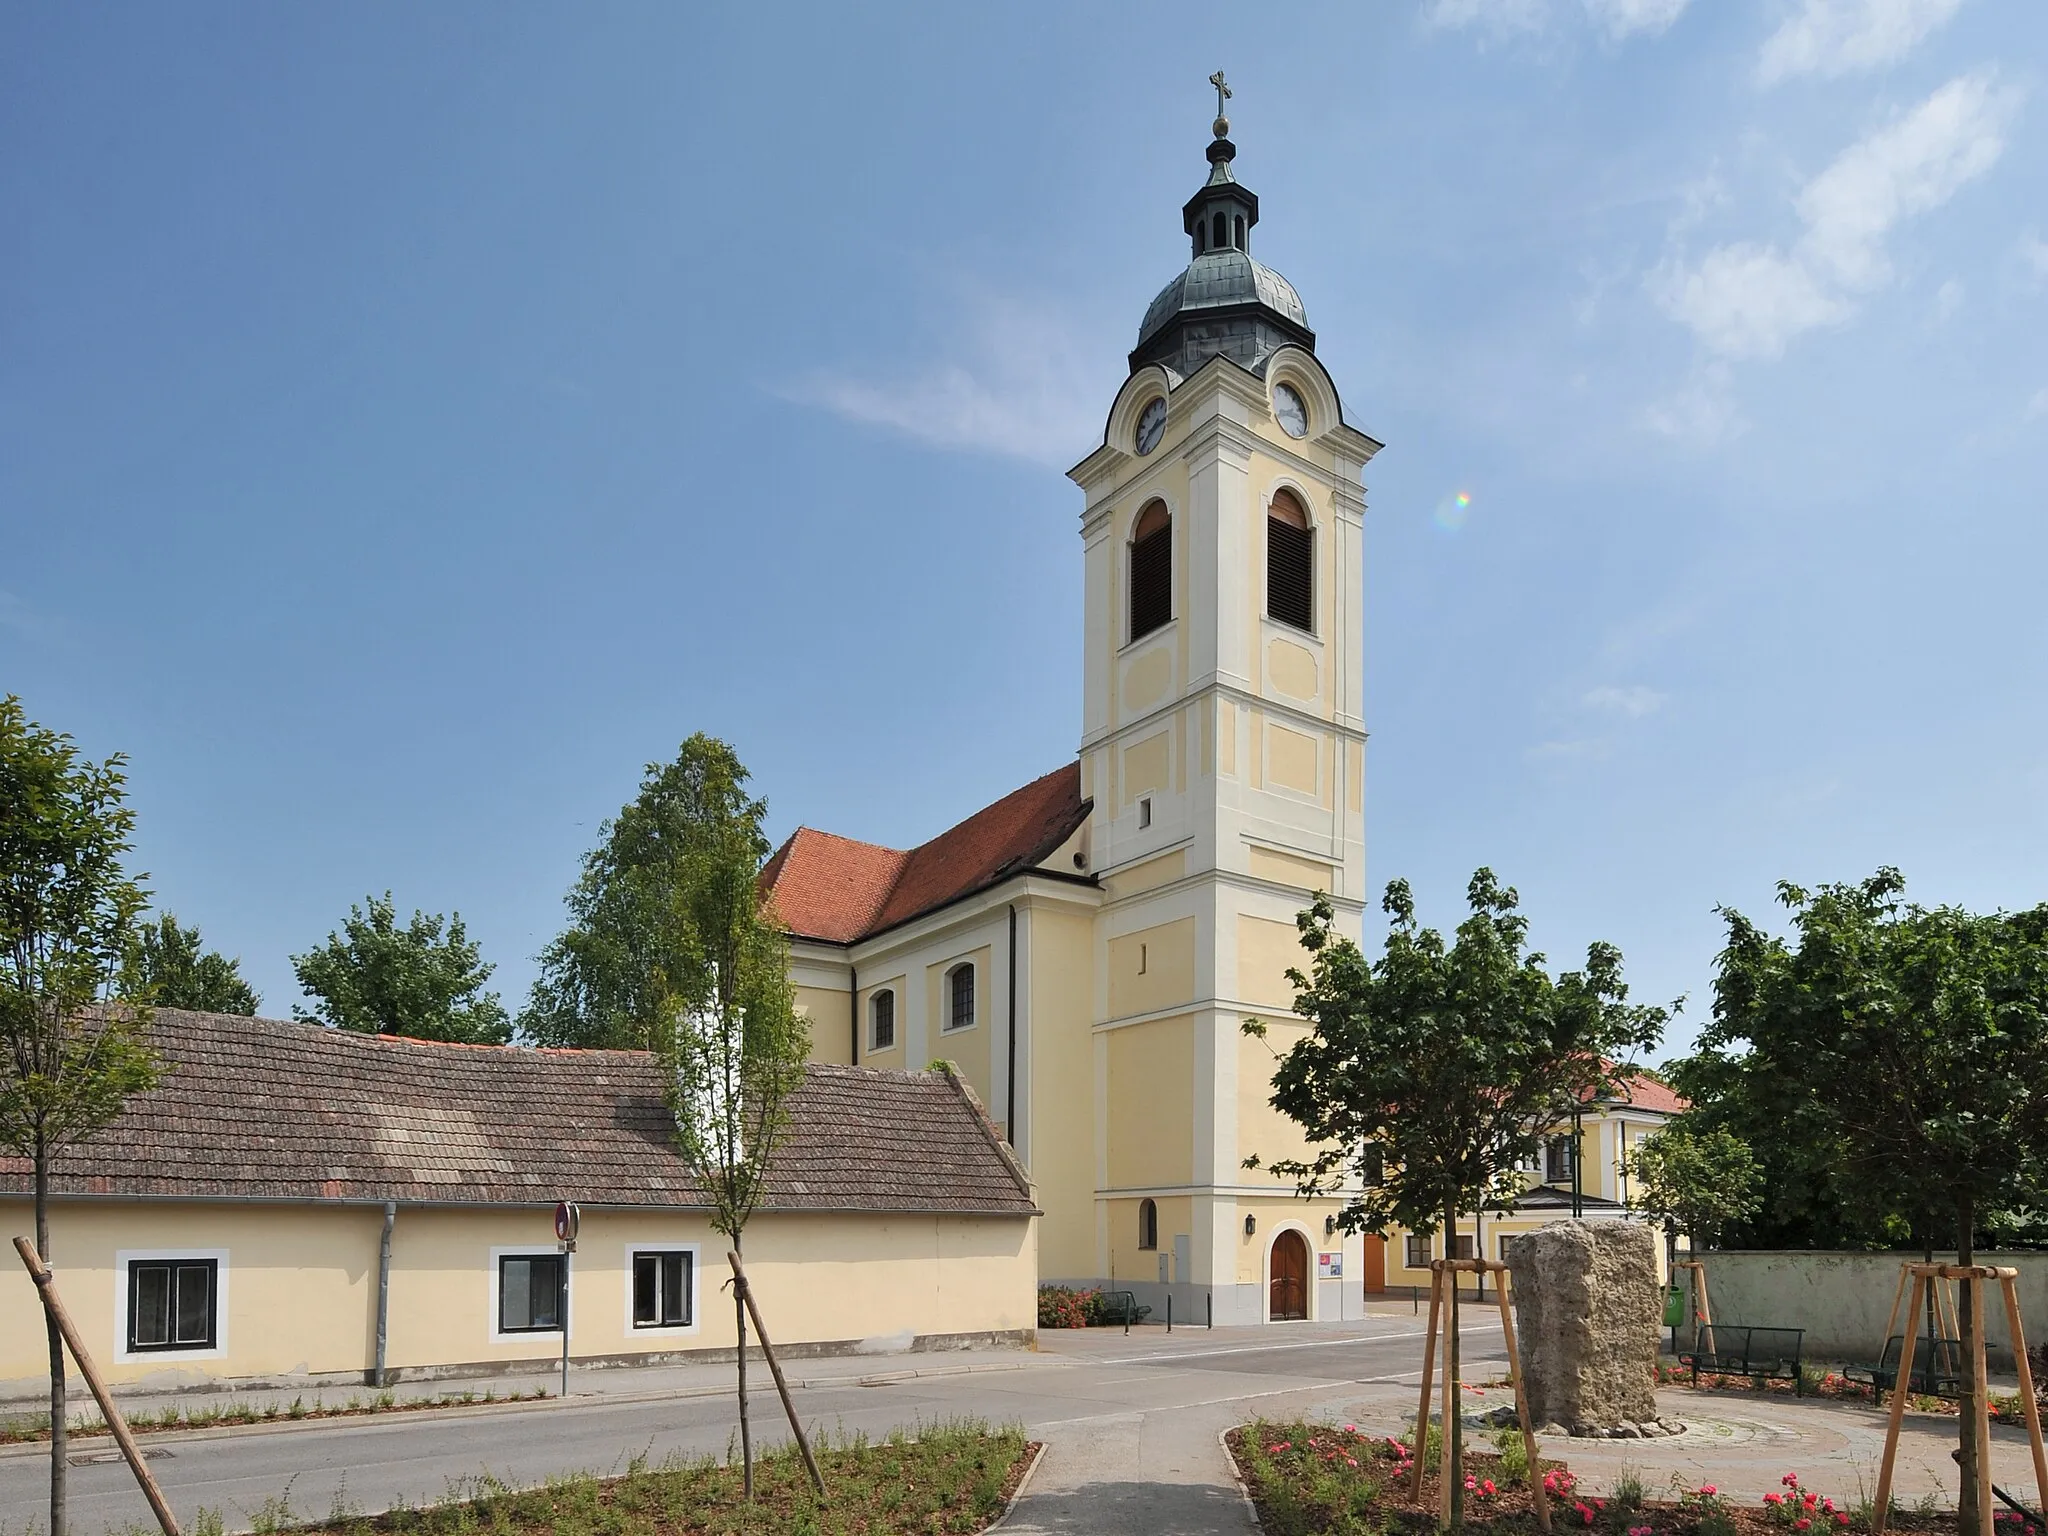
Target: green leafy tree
<point>1431,1076</point>
<point>606,980</point>
<point>165,965</point>
<point>380,979</point>
<point>1910,1048</point>
<point>68,1060</point>
<point>1695,1182</point>
<point>731,1044</point>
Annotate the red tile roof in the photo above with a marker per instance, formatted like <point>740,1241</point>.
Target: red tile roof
<point>268,1110</point>
<point>839,890</point>
<point>1643,1092</point>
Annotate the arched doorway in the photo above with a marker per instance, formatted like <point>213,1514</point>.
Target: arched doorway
<point>1287,1295</point>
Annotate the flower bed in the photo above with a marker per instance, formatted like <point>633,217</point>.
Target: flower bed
<point>2006,1407</point>
<point>1324,1480</point>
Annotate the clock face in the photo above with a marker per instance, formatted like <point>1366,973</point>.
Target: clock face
<point>1151,425</point>
<point>1291,410</point>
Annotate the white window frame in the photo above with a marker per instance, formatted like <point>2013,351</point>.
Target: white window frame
<point>126,1256</point>
<point>946,1024</point>
<point>895,1019</point>
<point>529,1251</point>
<point>683,1330</point>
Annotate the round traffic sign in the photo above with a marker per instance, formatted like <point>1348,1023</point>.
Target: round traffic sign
<point>567,1220</point>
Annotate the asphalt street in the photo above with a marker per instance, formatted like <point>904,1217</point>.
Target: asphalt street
<point>1118,1413</point>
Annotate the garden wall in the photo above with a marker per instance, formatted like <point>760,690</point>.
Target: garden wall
<point>1842,1299</point>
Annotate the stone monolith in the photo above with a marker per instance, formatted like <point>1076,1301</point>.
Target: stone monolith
<point>1586,1316</point>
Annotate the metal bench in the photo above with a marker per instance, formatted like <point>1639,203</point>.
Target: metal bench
<point>1122,1307</point>
<point>1937,1367</point>
<point>1738,1349</point>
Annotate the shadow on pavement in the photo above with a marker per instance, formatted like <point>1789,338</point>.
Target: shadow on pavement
<point>1133,1509</point>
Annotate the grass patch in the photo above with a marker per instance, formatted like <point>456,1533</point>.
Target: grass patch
<point>36,1426</point>
<point>940,1479</point>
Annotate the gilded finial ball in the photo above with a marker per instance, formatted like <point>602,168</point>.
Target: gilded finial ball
<point>1221,127</point>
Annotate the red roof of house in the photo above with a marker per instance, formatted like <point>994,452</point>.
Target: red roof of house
<point>1643,1092</point>
<point>839,890</point>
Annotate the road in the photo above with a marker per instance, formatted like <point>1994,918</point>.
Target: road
<point>1119,1413</point>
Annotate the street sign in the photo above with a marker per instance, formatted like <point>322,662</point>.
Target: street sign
<point>1329,1266</point>
<point>567,1220</point>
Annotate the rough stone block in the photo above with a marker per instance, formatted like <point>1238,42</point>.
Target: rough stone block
<point>1587,1319</point>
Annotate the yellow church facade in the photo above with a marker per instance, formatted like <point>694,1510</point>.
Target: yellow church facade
<point>1088,948</point>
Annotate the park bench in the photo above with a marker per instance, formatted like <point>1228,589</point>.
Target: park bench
<point>1737,1349</point>
<point>1122,1307</point>
<point>1937,1367</point>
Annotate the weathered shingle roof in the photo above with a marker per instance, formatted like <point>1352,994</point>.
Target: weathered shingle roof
<point>259,1108</point>
<point>837,889</point>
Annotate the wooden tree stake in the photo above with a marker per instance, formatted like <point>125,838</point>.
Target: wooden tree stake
<point>1445,1471</point>
<point>2029,1408</point>
<point>1980,1405</point>
<point>46,1287</point>
<point>1507,1331</point>
<point>1901,1385</point>
<point>1421,1446</point>
<point>746,1293</point>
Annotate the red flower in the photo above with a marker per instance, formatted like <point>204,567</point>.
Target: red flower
<point>1801,1523</point>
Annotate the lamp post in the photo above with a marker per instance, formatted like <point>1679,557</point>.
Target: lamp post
<point>1578,1141</point>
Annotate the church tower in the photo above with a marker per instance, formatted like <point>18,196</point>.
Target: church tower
<point>1223,750</point>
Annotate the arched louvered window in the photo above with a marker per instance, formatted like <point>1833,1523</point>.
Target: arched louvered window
<point>960,997</point>
<point>1290,563</point>
<point>1238,233</point>
<point>1219,230</point>
<point>882,1021</point>
<point>1148,1224</point>
<point>1151,570</point>
<point>1201,237</point>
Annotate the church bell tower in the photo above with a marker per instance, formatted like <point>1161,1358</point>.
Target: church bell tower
<point>1223,748</point>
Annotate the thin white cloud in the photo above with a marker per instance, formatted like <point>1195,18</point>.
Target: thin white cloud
<point>1625,18</point>
<point>2037,408</point>
<point>1840,37</point>
<point>1948,298</point>
<point>1498,21</point>
<point>1495,19</point>
<point>1634,701</point>
<point>1026,386</point>
<point>1702,414</point>
<point>2034,252</point>
<point>1749,300</point>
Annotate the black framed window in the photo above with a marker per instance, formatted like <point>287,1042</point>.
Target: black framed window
<point>1558,1159</point>
<point>960,997</point>
<point>882,1014</point>
<point>1148,1224</point>
<point>1151,571</point>
<point>530,1293</point>
<point>1290,564</point>
<point>171,1303</point>
<point>662,1289</point>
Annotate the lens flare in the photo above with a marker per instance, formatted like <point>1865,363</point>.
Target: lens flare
<point>1452,511</point>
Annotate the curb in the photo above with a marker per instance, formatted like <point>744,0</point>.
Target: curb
<point>1251,1510</point>
<point>1023,1483</point>
<point>403,1416</point>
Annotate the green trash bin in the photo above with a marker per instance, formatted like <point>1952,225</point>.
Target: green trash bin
<point>1674,1306</point>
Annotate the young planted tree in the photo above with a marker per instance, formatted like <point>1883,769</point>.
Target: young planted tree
<point>1915,1042</point>
<point>606,981</point>
<point>377,978</point>
<point>166,965</point>
<point>68,1060</point>
<point>731,1045</point>
<point>1692,1181</point>
<point>1431,1076</point>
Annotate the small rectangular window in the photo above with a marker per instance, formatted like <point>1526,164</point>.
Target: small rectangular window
<point>661,1289</point>
<point>530,1293</point>
<point>1464,1248</point>
<point>171,1303</point>
<point>1418,1252</point>
<point>1144,812</point>
<point>1558,1159</point>
<point>960,1015</point>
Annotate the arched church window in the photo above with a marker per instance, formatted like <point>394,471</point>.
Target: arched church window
<point>1290,563</point>
<point>1151,570</point>
<point>960,996</point>
<point>882,1021</point>
<point>1238,233</point>
<point>1219,231</point>
<point>1201,238</point>
<point>1148,1224</point>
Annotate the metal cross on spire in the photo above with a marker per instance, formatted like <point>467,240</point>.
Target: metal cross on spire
<point>1223,94</point>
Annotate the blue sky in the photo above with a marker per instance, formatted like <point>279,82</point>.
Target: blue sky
<point>415,419</point>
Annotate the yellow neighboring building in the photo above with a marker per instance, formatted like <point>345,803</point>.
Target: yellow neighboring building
<point>1088,947</point>
<point>298,1205</point>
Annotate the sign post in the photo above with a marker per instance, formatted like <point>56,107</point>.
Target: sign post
<point>567,1220</point>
